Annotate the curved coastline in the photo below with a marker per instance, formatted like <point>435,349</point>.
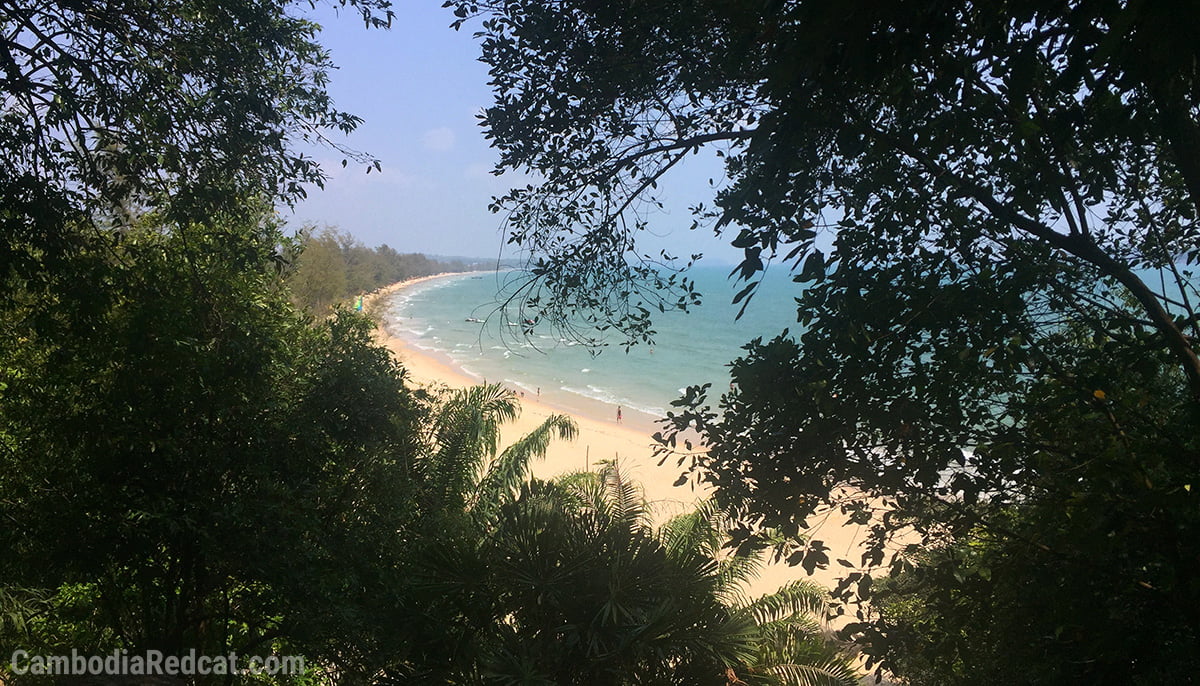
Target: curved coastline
<point>601,438</point>
<point>563,400</point>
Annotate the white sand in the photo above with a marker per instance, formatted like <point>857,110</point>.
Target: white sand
<point>603,438</point>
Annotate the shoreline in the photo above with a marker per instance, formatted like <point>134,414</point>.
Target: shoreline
<point>602,438</point>
<point>554,399</point>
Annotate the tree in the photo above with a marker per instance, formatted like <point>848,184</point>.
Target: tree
<point>318,277</point>
<point>1018,599</point>
<point>331,266</point>
<point>194,465</point>
<point>189,107</point>
<point>983,130</point>
<point>579,590</point>
<point>792,643</point>
<point>960,189</point>
<point>566,581</point>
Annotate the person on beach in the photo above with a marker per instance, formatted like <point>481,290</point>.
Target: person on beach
<point>618,415</point>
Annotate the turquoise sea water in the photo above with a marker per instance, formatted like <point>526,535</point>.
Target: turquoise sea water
<point>690,348</point>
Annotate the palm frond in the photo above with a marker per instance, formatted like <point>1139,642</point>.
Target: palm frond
<point>795,598</point>
<point>627,504</point>
<point>736,572</point>
<point>584,491</point>
<point>465,436</point>
<point>505,473</point>
<point>701,529</point>
<point>480,411</point>
<point>792,642</point>
<point>832,672</point>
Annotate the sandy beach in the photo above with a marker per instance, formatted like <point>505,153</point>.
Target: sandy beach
<point>600,438</point>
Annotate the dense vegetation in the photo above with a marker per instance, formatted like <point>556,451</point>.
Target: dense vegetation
<point>191,462</point>
<point>333,266</point>
<point>991,213</point>
<point>203,468</point>
<point>991,210</point>
<point>567,581</point>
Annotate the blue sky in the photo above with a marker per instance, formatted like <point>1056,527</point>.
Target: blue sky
<point>419,87</point>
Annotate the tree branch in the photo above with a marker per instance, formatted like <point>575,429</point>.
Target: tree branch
<point>694,141</point>
<point>649,181</point>
<point>1183,139</point>
<point>1078,245</point>
<point>1083,247</point>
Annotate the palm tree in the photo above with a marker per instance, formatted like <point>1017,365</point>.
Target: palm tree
<point>567,581</point>
<point>589,594</point>
<point>463,467</point>
<point>792,643</point>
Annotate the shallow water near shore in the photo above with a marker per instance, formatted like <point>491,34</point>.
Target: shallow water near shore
<point>457,317</point>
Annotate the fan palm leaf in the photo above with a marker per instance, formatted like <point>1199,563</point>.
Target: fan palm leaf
<point>624,498</point>
<point>549,576</point>
<point>832,672</point>
<point>795,598</point>
<point>792,644</point>
<point>464,436</point>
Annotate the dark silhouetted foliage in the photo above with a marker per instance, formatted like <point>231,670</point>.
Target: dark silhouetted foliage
<point>990,211</point>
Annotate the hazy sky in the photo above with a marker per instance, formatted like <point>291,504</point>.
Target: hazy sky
<point>419,87</point>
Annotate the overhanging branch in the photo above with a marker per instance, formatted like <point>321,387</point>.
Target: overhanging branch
<point>686,143</point>
<point>1078,245</point>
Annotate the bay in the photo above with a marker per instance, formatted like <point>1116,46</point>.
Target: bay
<point>456,317</point>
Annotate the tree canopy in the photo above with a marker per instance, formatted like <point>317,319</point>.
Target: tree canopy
<point>189,107</point>
<point>948,131</point>
<point>331,266</point>
<point>190,463</point>
<point>568,582</point>
<point>990,213</point>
